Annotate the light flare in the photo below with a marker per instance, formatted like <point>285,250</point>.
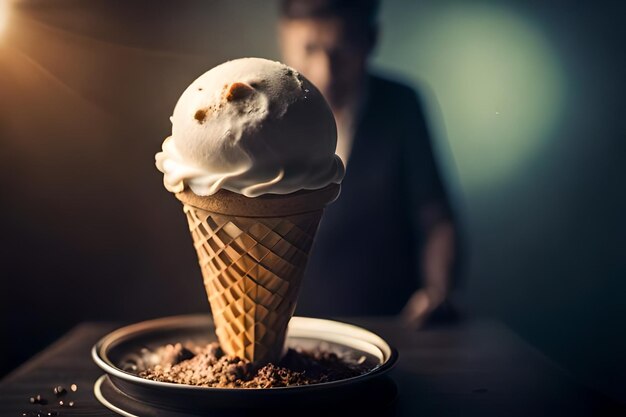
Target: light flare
<point>4,15</point>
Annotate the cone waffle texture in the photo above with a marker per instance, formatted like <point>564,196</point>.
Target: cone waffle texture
<point>252,269</point>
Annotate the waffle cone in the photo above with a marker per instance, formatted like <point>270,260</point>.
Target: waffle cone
<point>253,253</point>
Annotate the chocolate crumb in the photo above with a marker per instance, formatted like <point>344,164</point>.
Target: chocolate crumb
<point>210,367</point>
<point>39,413</point>
<point>59,391</point>
<point>38,399</point>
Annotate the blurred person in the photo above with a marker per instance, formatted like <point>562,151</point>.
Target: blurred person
<point>388,244</point>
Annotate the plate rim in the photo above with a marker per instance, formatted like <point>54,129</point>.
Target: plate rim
<point>97,392</point>
<point>147,325</point>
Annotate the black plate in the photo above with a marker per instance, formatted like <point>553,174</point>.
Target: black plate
<point>118,355</point>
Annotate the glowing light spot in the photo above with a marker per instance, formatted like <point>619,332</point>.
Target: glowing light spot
<point>4,15</point>
<point>473,56</point>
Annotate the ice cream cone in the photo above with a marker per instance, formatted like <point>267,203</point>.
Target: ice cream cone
<point>253,253</point>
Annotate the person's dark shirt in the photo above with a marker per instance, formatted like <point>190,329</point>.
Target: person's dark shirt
<point>365,259</point>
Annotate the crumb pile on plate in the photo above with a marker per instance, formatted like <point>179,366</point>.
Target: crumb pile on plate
<point>208,366</point>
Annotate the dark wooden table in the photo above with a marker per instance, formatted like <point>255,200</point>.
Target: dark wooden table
<point>477,368</point>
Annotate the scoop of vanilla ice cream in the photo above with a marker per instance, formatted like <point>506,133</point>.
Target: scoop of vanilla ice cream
<point>251,126</point>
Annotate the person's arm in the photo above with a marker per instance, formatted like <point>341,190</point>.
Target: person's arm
<point>433,221</point>
<point>437,261</point>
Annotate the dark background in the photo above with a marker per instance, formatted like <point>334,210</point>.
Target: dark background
<point>526,102</point>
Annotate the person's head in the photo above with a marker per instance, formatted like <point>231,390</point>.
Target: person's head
<point>329,42</point>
